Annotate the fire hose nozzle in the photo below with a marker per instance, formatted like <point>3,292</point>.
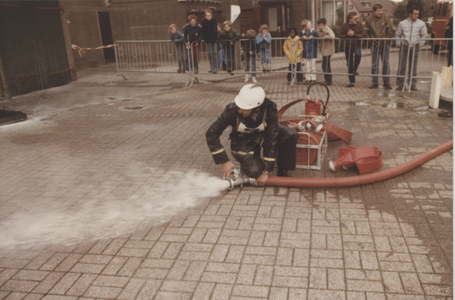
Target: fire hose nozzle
<point>332,166</point>
<point>237,178</point>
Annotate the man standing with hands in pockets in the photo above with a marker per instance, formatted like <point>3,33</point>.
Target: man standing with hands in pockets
<point>379,25</point>
<point>352,31</point>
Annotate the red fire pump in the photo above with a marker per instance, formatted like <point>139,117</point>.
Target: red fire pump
<point>314,131</point>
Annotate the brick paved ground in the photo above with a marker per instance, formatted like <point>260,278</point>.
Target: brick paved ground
<point>93,147</point>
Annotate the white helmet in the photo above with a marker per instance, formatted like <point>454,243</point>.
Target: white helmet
<point>250,96</point>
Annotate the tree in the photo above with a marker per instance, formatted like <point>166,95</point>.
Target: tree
<point>426,9</point>
<point>400,12</point>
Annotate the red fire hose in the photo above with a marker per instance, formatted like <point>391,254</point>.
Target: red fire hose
<point>362,179</point>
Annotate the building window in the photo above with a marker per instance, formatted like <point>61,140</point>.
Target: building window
<point>334,12</point>
<point>328,12</point>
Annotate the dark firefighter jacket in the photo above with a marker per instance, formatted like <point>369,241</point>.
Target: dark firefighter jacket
<point>246,143</point>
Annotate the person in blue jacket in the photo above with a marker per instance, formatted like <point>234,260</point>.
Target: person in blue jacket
<point>177,38</point>
<point>264,39</point>
<point>310,50</point>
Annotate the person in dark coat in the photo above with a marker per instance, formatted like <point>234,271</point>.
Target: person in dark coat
<point>449,35</point>
<point>352,31</point>
<point>228,37</point>
<point>193,38</point>
<point>254,122</point>
<point>251,49</point>
<point>209,34</point>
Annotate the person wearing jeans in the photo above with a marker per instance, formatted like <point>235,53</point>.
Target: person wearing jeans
<point>264,39</point>
<point>379,25</point>
<point>380,53</point>
<point>352,31</point>
<point>353,54</point>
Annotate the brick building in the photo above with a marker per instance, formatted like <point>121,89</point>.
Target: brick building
<point>92,21</point>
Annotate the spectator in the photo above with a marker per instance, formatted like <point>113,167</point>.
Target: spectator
<point>251,49</point>
<point>326,46</point>
<point>177,37</point>
<point>449,35</point>
<point>264,39</point>
<point>293,48</point>
<point>352,31</point>
<point>310,50</point>
<point>193,37</point>
<point>221,54</point>
<point>209,34</point>
<point>379,25</point>
<point>412,29</point>
<point>228,37</point>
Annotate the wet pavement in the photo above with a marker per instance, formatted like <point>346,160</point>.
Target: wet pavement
<point>108,191</point>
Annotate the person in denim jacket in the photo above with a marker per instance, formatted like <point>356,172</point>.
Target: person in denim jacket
<point>264,39</point>
<point>177,38</point>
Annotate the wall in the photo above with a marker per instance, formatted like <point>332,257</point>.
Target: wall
<point>298,11</point>
<point>83,26</point>
<point>150,20</point>
<point>32,46</point>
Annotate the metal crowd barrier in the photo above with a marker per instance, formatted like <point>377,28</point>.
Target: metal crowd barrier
<point>171,57</point>
<point>427,60</point>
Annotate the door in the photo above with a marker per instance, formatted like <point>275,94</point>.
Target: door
<point>32,46</point>
<point>106,35</point>
<point>274,15</point>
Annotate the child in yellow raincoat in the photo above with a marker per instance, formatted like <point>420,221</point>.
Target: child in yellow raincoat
<point>293,48</point>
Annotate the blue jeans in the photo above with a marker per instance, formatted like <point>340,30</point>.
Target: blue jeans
<point>383,53</point>
<point>266,56</point>
<point>212,56</point>
<point>353,56</point>
<point>221,58</point>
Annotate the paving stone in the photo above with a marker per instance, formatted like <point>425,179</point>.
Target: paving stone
<point>103,292</point>
<point>203,291</point>
<point>387,240</point>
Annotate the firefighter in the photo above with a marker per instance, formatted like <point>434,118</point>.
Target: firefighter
<point>254,122</point>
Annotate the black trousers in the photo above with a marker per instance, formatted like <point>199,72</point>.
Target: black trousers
<point>326,68</point>
<point>248,154</point>
<point>299,73</point>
